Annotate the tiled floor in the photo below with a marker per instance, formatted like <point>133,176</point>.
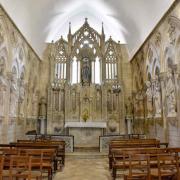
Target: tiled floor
<point>85,169</point>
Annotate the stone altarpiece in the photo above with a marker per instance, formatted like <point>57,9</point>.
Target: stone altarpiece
<point>82,73</point>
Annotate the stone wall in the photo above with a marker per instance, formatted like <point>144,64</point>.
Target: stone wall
<point>19,82</point>
<point>156,80</point>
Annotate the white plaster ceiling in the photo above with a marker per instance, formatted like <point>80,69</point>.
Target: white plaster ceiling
<point>129,21</point>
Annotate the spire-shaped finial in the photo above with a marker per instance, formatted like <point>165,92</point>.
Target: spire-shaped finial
<point>86,19</point>
<point>102,28</point>
<point>69,27</point>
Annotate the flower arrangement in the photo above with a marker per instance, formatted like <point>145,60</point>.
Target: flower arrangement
<point>85,115</point>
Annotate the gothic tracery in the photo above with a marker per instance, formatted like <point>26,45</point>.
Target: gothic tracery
<point>83,69</point>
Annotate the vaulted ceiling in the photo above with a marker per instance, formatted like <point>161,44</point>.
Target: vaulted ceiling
<point>129,21</point>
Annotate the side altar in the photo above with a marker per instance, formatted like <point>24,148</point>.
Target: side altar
<point>86,134</point>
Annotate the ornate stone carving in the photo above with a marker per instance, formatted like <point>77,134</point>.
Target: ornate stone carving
<point>98,100</point>
<point>2,66</point>
<point>170,95</point>
<point>13,94</point>
<point>86,73</point>
<point>21,95</point>
<point>149,99</point>
<point>109,101</point>
<point>172,32</point>
<point>150,55</point>
<point>3,86</point>
<point>42,107</point>
<point>157,98</point>
<point>129,108</point>
<point>112,125</point>
<point>1,35</point>
<point>35,103</point>
<point>74,100</point>
<point>157,38</point>
<point>21,54</point>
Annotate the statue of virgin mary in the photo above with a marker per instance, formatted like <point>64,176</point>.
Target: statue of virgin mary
<point>86,72</point>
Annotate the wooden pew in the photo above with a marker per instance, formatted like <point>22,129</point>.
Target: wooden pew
<point>38,146</point>
<point>1,165</point>
<point>42,159</point>
<point>61,149</point>
<point>121,157</point>
<point>20,168</point>
<point>59,145</point>
<point>132,143</point>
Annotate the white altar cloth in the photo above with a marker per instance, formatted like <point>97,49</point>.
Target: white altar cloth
<point>85,124</point>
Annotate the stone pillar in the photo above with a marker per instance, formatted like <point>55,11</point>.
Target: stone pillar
<point>177,90</point>
<point>163,102</point>
<point>43,116</point>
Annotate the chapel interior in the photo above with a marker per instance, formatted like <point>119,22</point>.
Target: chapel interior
<point>91,86</point>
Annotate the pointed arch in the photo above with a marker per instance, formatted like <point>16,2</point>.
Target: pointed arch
<point>111,61</point>
<point>61,58</point>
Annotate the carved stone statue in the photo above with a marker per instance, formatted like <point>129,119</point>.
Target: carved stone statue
<point>86,72</point>
<point>149,98</point>
<point>3,85</point>
<point>172,33</point>
<point>1,35</point>
<point>21,96</point>
<point>62,100</point>
<point>129,107</point>
<point>109,101</point>
<point>13,95</point>
<point>73,100</point>
<point>170,94</point>
<point>35,103</point>
<point>98,100</point>
<point>2,66</point>
<point>42,108</point>
<point>157,99</point>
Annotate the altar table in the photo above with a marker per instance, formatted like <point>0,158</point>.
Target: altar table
<point>86,134</point>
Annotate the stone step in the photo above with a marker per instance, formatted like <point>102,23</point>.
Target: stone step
<point>86,155</point>
<point>86,149</point>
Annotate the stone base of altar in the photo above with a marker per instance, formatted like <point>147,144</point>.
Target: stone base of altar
<point>86,134</point>
<point>85,137</point>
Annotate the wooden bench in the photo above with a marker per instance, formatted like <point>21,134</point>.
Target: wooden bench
<point>39,146</point>
<point>60,143</point>
<point>121,157</point>
<point>1,165</point>
<point>20,167</point>
<point>133,143</point>
<point>43,159</point>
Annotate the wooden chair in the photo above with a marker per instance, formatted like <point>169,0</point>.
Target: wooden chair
<point>167,167</point>
<point>139,167</point>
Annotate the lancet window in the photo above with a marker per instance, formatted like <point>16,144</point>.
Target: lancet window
<point>75,70</point>
<point>111,62</point>
<point>60,61</point>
